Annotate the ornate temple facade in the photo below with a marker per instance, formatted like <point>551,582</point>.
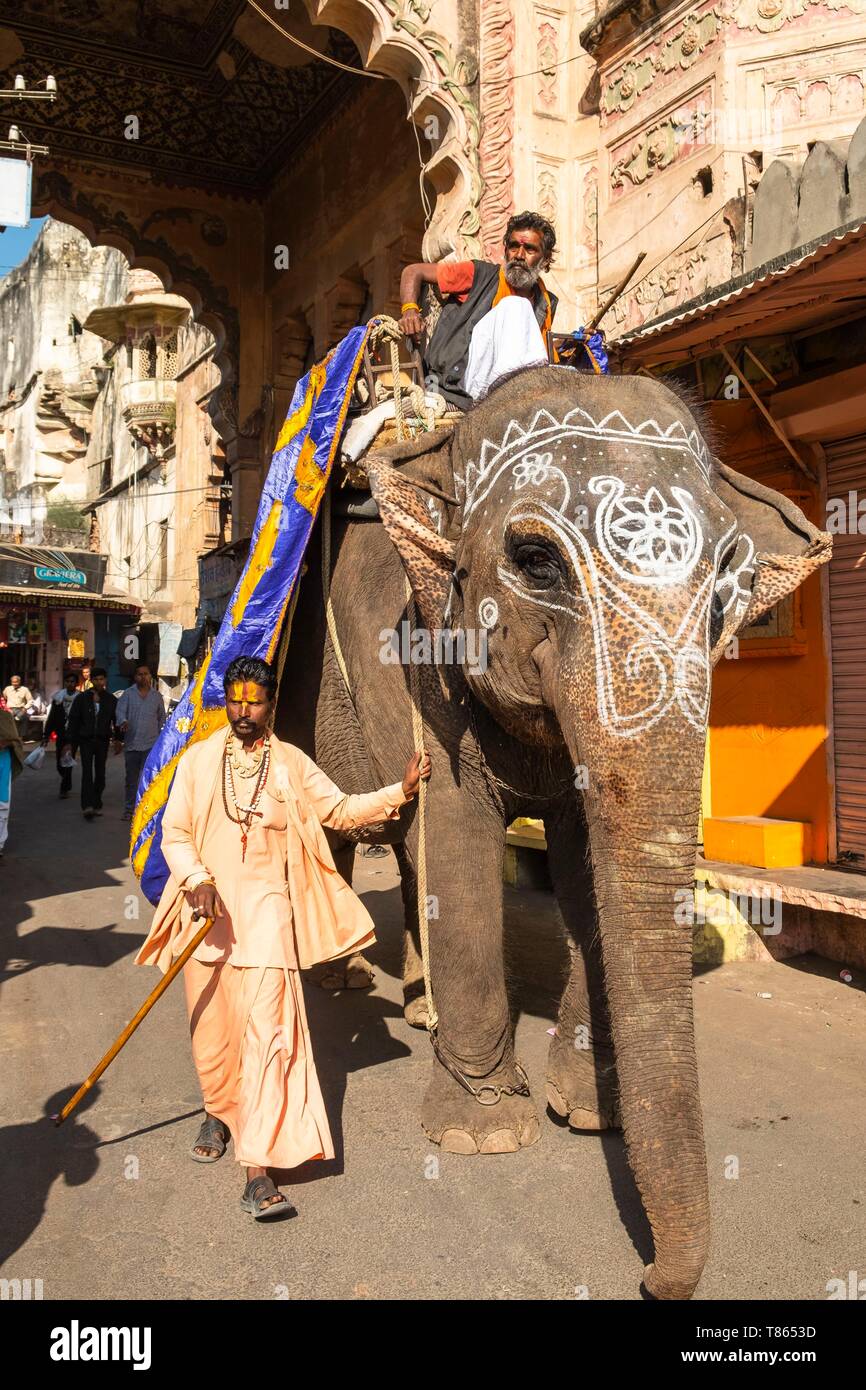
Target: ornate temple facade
<point>278,182</point>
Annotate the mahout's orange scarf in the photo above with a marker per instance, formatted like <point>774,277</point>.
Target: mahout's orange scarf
<point>505,289</point>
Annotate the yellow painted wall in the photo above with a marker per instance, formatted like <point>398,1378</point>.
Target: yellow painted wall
<point>767,718</point>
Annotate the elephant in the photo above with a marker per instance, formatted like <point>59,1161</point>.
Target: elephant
<point>588,558</point>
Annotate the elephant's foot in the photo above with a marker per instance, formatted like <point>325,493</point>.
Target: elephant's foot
<point>581,1085</point>
<point>460,1124</point>
<point>415,1012</point>
<point>414,1003</point>
<point>658,1286</point>
<point>353,973</point>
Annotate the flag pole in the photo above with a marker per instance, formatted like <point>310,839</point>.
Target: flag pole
<point>130,1028</point>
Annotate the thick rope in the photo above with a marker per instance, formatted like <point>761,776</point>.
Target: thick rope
<point>388,330</point>
<point>421,867</point>
<point>326,588</point>
<point>417,738</point>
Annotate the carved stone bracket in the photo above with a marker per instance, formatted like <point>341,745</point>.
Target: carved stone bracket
<point>392,37</point>
<point>496,47</point>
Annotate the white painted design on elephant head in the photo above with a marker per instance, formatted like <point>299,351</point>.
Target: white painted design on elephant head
<point>735,583</point>
<point>532,469</point>
<point>672,662</point>
<point>646,539</point>
<point>488,612</point>
<point>529,446</point>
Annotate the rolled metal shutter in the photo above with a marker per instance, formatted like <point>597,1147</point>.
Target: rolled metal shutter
<point>846,473</point>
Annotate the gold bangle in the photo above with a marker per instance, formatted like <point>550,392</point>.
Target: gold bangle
<point>411,305</point>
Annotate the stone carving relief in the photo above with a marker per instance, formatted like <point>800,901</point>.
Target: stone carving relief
<point>792,100</point>
<point>679,134</point>
<point>548,76</point>
<point>589,223</point>
<point>546,199</point>
<point>677,50</point>
<point>496,49</point>
<point>768,16</point>
<point>685,46</point>
<point>679,278</point>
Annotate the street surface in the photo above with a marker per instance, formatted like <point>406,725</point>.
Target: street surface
<point>111,1206</point>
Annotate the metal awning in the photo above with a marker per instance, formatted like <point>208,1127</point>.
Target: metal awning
<point>59,598</point>
<point>820,282</point>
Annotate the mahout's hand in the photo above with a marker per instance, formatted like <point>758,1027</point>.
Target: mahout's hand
<point>412,324</point>
<point>418,767</point>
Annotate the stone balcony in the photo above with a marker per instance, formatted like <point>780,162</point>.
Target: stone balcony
<point>149,411</point>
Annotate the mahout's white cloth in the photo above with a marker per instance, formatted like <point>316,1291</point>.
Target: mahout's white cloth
<point>506,339</point>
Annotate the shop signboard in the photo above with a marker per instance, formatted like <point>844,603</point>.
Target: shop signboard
<point>26,568</point>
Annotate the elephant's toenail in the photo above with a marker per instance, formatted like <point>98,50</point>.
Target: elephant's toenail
<point>530,1133</point>
<point>587,1119</point>
<point>458,1141</point>
<point>501,1141</point>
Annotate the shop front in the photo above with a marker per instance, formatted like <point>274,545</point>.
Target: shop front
<point>779,358</point>
<point>55,616</point>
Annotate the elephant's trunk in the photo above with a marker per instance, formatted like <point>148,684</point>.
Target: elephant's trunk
<point>643,800</point>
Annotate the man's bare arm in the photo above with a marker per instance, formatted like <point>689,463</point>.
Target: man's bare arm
<point>415,276</point>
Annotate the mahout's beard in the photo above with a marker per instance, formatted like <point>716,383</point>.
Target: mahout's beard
<point>519,276</point>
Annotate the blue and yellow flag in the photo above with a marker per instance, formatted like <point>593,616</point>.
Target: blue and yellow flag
<point>252,624</point>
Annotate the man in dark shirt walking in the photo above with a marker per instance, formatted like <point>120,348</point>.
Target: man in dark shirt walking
<point>58,718</point>
<point>89,730</point>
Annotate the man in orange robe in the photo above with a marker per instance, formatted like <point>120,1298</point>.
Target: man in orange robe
<point>242,836</point>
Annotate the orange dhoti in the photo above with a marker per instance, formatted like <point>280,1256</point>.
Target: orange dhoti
<point>251,1049</point>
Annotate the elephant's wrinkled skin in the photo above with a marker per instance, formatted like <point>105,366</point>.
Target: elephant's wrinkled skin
<point>609,558</point>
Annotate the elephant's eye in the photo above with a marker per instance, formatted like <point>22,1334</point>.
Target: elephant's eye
<point>538,561</point>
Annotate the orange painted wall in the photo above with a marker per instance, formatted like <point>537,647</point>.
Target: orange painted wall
<point>768,729</point>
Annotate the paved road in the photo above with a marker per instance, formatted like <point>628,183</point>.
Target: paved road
<point>111,1206</point>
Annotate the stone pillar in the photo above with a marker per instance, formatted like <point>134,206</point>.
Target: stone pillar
<point>243,455</point>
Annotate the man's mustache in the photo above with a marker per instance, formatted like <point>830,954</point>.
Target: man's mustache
<point>521,276</point>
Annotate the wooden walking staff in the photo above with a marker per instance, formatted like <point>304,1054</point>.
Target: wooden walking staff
<point>133,1023</point>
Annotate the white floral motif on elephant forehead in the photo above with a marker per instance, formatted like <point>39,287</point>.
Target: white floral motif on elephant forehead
<point>677,660</point>
<point>647,539</point>
<point>522,450</point>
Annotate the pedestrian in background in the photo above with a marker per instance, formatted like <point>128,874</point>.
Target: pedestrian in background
<point>92,725</point>
<point>11,763</point>
<point>58,718</point>
<point>17,697</point>
<point>140,716</point>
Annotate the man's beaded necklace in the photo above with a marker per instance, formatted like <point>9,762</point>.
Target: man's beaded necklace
<point>258,764</point>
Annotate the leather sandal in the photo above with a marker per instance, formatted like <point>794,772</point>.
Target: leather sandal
<point>212,1135</point>
<point>256,1193</point>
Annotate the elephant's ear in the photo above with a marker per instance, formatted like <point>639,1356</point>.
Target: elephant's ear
<point>414,503</point>
<point>777,548</point>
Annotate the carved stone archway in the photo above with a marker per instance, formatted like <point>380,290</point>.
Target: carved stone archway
<point>435,76</point>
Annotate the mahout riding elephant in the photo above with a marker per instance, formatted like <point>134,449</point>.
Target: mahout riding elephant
<point>589,559</point>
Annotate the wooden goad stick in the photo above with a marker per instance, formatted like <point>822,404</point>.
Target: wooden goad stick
<point>133,1024</point>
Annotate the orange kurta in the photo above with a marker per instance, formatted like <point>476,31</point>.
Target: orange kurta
<point>285,906</point>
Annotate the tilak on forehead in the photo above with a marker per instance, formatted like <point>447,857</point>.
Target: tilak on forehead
<point>245,692</point>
